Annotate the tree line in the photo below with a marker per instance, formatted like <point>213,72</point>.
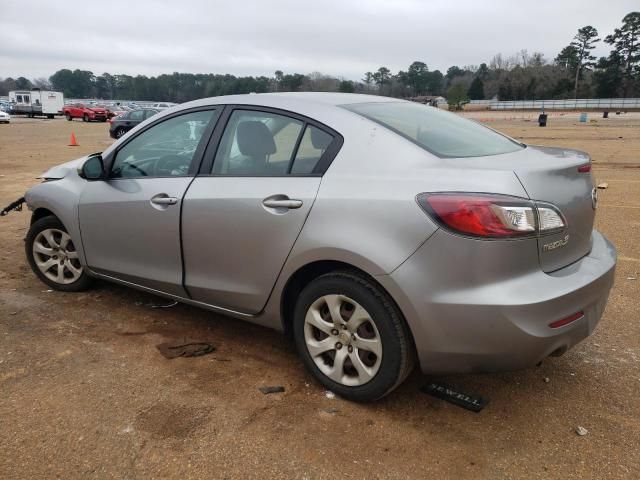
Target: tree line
<point>573,73</point>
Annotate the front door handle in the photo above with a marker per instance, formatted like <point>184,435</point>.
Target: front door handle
<point>161,200</point>
<point>281,203</point>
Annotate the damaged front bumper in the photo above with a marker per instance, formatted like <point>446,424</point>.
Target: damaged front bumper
<point>13,207</point>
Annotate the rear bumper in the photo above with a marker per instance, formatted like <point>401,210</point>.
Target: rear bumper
<point>467,315</point>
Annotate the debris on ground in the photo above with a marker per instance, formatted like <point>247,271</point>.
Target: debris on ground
<point>329,394</point>
<point>546,379</point>
<point>168,305</point>
<point>331,410</point>
<point>454,395</point>
<point>633,277</point>
<point>271,389</point>
<point>581,431</point>
<point>195,349</point>
<point>603,186</point>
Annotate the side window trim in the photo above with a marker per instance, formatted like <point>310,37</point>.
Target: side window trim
<point>294,153</point>
<point>206,165</point>
<point>198,154</point>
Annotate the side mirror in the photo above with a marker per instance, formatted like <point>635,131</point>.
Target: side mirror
<point>92,169</point>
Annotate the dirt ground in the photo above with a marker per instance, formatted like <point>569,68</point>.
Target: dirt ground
<point>84,393</point>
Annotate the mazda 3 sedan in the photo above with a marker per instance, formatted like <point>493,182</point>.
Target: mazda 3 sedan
<point>379,233</point>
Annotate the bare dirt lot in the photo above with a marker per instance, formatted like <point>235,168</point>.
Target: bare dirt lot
<point>84,393</point>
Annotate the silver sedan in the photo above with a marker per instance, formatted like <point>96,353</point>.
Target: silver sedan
<point>380,233</point>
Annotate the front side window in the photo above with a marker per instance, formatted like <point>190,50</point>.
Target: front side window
<point>441,133</point>
<point>257,144</point>
<point>19,98</point>
<point>164,150</point>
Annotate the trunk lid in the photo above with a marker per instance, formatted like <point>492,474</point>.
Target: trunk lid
<point>550,175</point>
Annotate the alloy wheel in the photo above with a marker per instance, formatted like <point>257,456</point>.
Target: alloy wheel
<point>343,340</point>
<point>56,257</point>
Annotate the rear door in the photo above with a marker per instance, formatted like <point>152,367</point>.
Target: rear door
<point>242,215</point>
<point>130,223</point>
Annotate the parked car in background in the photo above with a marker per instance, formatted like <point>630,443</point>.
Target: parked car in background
<point>379,232</point>
<point>116,110</point>
<point>4,117</point>
<point>163,105</point>
<point>85,112</point>
<point>127,120</point>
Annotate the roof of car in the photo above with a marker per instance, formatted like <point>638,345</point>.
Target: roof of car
<point>324,98</point>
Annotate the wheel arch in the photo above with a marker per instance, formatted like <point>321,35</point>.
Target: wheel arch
<point>310,271</point>
<point>42,212</point>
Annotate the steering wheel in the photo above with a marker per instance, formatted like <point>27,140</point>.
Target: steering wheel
<point>170,164</point>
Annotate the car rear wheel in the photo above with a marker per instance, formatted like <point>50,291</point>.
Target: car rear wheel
<point>85,118</point>
<point>68,116</point>
<point>53,257</point>
<point>120,132</point>
<point>351,336</point>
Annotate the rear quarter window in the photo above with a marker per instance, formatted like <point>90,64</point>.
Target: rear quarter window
<point>442,133</point>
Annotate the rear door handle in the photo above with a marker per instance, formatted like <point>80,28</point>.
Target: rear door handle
<point>281,203</point>
<point>164,200</point>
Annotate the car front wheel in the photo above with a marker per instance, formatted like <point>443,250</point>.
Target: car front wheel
<point>120,132</point>
<point>68,116</point>
<point>352,337</point>
<point>85,118</point>
<point>53,257</point>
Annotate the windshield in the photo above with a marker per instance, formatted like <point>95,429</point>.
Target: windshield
<point>441,133</point>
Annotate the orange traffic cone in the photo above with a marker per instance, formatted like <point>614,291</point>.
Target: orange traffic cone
<point>73,142</point>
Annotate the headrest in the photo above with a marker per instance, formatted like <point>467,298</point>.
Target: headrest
<point>319,139</point>
<point>254,139</point>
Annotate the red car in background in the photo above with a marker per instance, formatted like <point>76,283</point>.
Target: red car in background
<point>86,113</point>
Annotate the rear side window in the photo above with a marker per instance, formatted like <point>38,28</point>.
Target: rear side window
<point>257,144</point>
<point>312,147</point>
<point>441,133</point>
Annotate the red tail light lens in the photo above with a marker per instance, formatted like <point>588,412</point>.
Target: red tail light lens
<point>584,168</point>
<point>480,215</point>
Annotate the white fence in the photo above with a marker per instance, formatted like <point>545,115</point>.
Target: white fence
<point>578,104</point>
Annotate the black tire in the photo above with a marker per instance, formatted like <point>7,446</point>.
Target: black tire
<point>85,118</point>
<point>119,132</point>
<point>50,117</point>
<point>68,116</point>
<point>51,222</point>
<point>397,346</point>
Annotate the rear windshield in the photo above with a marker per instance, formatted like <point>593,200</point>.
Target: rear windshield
<point>441,133</point>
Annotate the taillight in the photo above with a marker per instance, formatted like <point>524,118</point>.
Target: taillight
<point>490,216</point>
<point>584,168</point>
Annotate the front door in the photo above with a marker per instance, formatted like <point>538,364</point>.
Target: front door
<point>242,217</point>
<point>130,223</point>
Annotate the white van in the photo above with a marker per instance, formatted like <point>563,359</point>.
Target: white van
<point>36,102</point>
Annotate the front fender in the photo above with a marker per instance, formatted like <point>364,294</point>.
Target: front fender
<point>60,197</point>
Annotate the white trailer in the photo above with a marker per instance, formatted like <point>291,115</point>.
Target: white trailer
<point>36,102</point>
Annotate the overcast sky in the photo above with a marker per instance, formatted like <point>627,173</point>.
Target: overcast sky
<point>343,38</point>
